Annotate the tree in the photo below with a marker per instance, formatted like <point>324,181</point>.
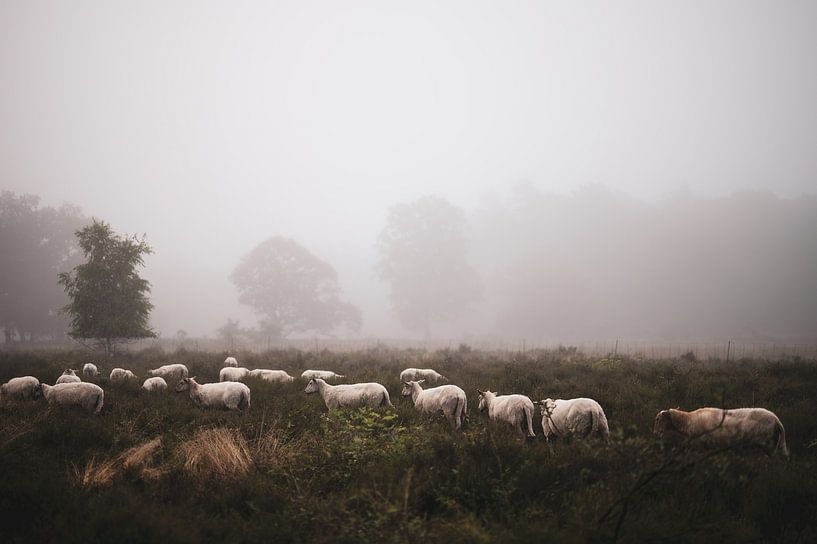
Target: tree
<point>229,333</point>
<point>108,300</point>
<point>423,256</point>
<point>35,244</point>
<point>292,289</point>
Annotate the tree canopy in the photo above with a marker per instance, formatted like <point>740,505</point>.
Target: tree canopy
<point>36,244</point>
<point>109,301</point>
<point>423,257</point>
<point>292,289</point>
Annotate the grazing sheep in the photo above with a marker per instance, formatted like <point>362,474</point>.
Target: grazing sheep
<point>715,427</point>
<point>233,374</point>
<point>223,395</point>
<point>230,361</point>
<point>581,417</point>
<point>154,384</point>
<point>271,375</point>
<point>449,399</point>
<point>515,409</point>
<point>121,375</point>
<point>90,370</point>
<point>322,374</point>
<point>353,395</point>
<point>25,387</point>
<point>87,396</point>
<point>68,376</point>
<point>171,373</point>
<point>417,374</point>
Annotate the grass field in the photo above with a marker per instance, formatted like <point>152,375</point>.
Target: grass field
<point>153,468</point>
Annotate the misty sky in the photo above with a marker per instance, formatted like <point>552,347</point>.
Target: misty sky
<point>211,126</point>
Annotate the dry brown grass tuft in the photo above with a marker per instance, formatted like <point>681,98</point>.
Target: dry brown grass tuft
<point>272,450</point>
<point>141,456</point>
<point>97,473</point>
<point>223,453</point>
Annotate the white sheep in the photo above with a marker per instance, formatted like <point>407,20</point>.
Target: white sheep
<point>449,399</point>
<point>417,374</point>
<point>271,375</point>
<point>230,361</point>
<point>353,395</point>
<point>716,427</point>
<point>90,370</point>
<point>581,417</point>
<point>87,396</point>
<point>154,384</point>
<point>121,375</point>
<point>24,387</point>
<point>233,374</point>
<point>222,395</point>
<point>322,374</point>
<point>69,376</point>
<point>515,409</point>
<point>171,373</point>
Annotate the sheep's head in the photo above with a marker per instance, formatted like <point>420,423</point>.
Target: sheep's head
<point>663,422</point>
<point>547,406</point>
<point>69,372</point>
<point>408,387</point>
<point>483,395</point>
<point>184,384</point>
<point>38,391</point>
<point>311,387</point>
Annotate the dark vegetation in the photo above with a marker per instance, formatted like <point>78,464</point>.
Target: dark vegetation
<point>288,472</point>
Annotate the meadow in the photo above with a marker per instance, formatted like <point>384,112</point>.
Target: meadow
<point>154,468</point>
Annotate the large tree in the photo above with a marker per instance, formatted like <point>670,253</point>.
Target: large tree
<point>293,290</point>
<point>423,256</point>
<point>109,301</point>
<point>35,245</point>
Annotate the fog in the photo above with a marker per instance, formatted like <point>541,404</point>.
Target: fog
<point>643,170</point>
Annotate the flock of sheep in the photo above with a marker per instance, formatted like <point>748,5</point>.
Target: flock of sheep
<point>581,417</point>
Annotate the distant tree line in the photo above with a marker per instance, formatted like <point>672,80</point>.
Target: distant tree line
<point>36,244</point>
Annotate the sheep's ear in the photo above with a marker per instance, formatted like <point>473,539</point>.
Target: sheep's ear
<point>480,392</point>
<point>421,381</point>
<point>537,402</point>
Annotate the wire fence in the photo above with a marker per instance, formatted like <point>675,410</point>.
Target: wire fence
<point>725,350</point>
<point>729,350</point>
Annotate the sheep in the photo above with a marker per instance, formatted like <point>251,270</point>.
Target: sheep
<point>25,387</point>
<point>271,375</point>
<point>354,395</point>
<point>515,409</point>
<point>223,395</point>
<point>154,384</point>
<point>449,399</point>
<point>69,376</point>
<point>121,375</point>
<point>565,417</point>
<point>417,374</point>
<point>233,374</point>
<point>90,370</point>
<point>322,374</point>
<point>86,395</point>
<point>716,427</point>
<point>230,361</point>
<point>171,373</point>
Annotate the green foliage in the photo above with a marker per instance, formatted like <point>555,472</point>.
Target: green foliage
<point>292,289</point>
<point>108,299</point>
<point>400,476</point>
<point>423,257</point>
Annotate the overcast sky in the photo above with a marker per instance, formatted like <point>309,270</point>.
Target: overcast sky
<point>213,125</point>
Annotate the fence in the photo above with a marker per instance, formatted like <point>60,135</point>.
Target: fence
<point>725,350</point>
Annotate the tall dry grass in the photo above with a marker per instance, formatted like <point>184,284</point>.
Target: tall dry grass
<point>223,453</point>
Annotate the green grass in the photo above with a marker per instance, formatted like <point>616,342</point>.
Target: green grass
<point>395,476</point>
